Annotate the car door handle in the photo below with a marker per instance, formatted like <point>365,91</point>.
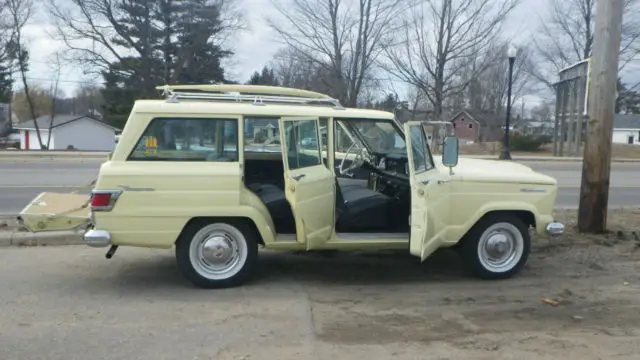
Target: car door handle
<point>298,177</point>
<point>440,182</point>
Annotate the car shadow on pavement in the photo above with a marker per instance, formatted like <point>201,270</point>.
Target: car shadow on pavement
<point>159,273</point>
<point>361,268</point>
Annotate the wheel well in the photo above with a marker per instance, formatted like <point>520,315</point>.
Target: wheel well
<point>526,216</point>
<point>202,220</point>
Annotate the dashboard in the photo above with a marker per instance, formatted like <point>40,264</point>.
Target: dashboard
<point>390,173</point>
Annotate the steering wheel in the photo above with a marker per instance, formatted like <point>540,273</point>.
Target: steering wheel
<point>356,163</point>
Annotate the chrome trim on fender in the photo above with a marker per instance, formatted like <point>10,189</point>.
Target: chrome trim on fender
<point>128,188</point>
<point>97,238</point>
<point>533,190</point>
<point>555,229</point>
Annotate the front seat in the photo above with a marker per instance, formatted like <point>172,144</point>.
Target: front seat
<point>359,209</point>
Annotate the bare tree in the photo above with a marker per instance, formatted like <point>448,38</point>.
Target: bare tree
<point>566,37</point>
<point>20,13</point>
<point>543,112</point>
<point>54,91</point>
<point>344,41</point>
<point>295,70</point>
<point>7,31</point>
<point>488,90</point>
<point>87,100</point>
<point>441,38</point>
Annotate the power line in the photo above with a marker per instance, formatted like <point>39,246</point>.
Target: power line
<point>62,81</point>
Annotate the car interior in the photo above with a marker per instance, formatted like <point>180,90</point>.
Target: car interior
<point>372,191</point>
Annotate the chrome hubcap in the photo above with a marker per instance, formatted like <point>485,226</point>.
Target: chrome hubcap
<point>218,251</point>
<point>500,247</point>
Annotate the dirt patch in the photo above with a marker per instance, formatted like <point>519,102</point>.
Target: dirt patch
<point>576,298</point>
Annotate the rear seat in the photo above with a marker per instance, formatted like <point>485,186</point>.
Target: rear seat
<point>274,199</point>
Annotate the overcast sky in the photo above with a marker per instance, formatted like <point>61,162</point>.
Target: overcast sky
<point>254,47</point>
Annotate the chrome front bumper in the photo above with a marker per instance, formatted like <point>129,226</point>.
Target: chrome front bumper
<point>97,238</point>
<point>555,229</point>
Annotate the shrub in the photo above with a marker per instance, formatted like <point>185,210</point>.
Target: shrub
<point>259,138</point>
<point>527,142</point>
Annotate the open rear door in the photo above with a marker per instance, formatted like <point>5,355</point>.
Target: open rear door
<point>429,194</point>
<point>309,185</point>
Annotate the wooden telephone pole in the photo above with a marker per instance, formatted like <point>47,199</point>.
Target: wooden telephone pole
<point>596,165</point>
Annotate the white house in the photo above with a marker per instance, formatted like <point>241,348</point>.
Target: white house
<point>67,132</point>
<point>626,129</point>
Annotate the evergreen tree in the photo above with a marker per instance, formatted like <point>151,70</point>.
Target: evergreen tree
<point>119,93</point>
<point>628,101</point>
<point>172,43</point>
<point>266,77</point>
<point>6,85</point>
<point>198,60</point>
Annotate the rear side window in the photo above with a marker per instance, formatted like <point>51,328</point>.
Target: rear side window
<point>188,139</point>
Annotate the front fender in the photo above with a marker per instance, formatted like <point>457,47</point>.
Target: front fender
<point>456,232</point>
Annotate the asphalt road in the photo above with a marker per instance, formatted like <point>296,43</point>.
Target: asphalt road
<point>70,303</point>
<point>21,181</point>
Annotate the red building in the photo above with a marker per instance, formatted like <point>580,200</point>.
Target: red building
<point>471,126</point>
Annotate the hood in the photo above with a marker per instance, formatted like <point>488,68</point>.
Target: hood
<point>496,171</point>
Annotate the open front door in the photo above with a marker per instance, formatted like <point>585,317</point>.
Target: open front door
<point>309,185</point>
<point>429,194</point>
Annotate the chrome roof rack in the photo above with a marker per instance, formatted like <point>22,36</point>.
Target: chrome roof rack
<point>258,95</point>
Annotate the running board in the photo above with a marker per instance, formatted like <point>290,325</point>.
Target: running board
<point>369,236</point>
<point>284,238</point>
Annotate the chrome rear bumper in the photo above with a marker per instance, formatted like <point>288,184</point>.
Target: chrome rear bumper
<point>555,229</point>
<point>97,238</point>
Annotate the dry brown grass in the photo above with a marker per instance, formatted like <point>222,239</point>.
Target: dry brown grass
<point>620,151</point>
<point>622,224</point>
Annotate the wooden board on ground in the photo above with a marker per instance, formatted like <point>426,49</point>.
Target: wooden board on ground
<point>56,211</point>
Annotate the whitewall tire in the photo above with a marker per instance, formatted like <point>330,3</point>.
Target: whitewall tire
<point>217,255</point>
<point>497,247</point>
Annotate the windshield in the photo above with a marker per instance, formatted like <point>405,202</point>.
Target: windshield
<point>378,136</point>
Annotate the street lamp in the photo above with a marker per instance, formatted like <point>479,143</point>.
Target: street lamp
<point>505,154</point>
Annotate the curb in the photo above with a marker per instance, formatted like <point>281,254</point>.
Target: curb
<point>49,238</point>
<point>53,155</point>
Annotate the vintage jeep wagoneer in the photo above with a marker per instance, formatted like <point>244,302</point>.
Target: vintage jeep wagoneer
<point>219,170</point>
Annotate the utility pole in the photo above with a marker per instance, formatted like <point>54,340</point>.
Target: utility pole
<point>596,165</point>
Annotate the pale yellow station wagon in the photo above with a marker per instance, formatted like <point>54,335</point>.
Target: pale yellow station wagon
<point>219,170</point>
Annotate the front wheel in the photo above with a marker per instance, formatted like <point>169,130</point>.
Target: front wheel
<point>217,255</point>
<point>497,247</point>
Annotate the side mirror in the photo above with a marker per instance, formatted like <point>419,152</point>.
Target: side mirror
<point>450,151</point>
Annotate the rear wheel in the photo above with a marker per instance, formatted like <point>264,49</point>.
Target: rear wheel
<point>217,255</point>
<point>497,247</point>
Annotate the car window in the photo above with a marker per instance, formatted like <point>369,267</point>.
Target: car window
<point>188,139</point>
<point>302,143</point>
<point>261,134</point>
<point>421,161</point>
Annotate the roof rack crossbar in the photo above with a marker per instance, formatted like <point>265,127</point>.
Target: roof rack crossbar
<point>256,99</point>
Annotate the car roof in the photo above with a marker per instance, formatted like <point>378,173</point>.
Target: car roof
<point>195,107</point>
<point>250,100</point>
